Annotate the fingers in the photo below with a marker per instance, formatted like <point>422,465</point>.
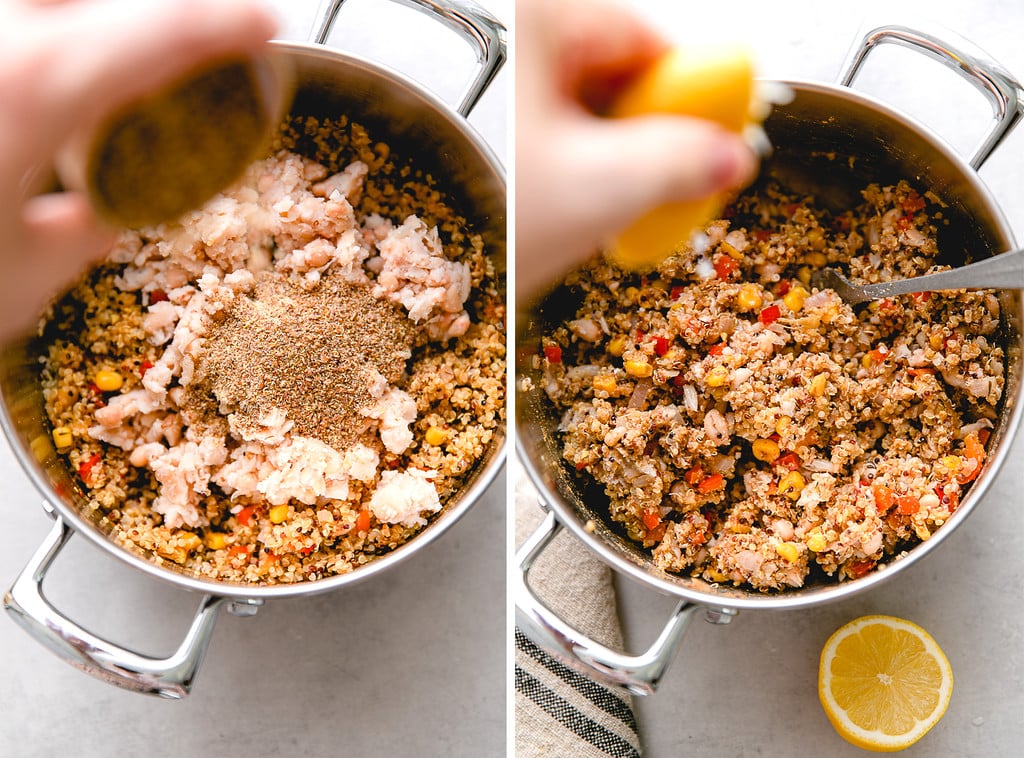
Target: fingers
<point>57,240</point>
<point>122,49</point>
<point>606,173</point>
<point>604,50</point>
<point>648,161</point>
<point>63,227</point>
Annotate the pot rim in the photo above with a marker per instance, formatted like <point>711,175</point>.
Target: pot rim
<point>667,583</point>
<point>55,505</point>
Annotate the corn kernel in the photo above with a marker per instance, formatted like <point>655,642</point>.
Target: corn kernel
<point>605,383</point>
<point>717,376</point>
<point>815,238</point>
<point>788,551</point>
<point>216,541</point>
<point>815,259</point>
<point>766,450</point>
<point>177,554</point>
<point>935,341</point>
<point>818,384</point>
<point>632,293</point>
<point>739,528</point>
<point>278,514</point>
<point>638,369</point>
<point>794,299</point>
<point>435,435</point>
<point>749,297</point>
<point>717,576</point>
<point>804,275</point>
<point>816,542</point>
<point>62,437</point>
<point>190,541</point>
<point>792,484</point>
<point>108,381</point>
<point>731,251</point>
<point>951,462</point>
<point>782,425</point>
<point>617,345</point>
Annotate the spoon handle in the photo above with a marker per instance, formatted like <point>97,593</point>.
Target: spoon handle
<point>1005,271</point>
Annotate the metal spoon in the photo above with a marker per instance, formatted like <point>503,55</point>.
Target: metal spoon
<point>1005,271</point>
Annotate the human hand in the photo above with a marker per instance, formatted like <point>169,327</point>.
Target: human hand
<point>581,178</point>
<point>64,65</point>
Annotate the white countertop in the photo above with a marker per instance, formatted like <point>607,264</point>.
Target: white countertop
<point>411,663</point>
<point>750,688</point>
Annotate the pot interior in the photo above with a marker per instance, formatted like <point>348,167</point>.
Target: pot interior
<point>415,126</point>
<point>829,142</point>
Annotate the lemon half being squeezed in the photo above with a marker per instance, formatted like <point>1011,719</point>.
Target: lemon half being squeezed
<point>717,85</point>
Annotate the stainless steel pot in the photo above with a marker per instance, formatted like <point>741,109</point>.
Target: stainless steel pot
<point>830,141</point>
<point>415,123</point>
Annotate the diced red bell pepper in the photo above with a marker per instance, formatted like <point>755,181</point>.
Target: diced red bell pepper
<point>363,521</point>
<point>553,353</point>
<point>144,367</point>
<point>244,516</point>
<point>907,505</point>
<point>783,287</point>
<point>860,568</point>
<point>769,315</point>
<point>717,349</point>
<point>789,460</point>
<point>912,203</point>
<point>884,499</point>
<point>157,296</point>
<point>651,518</point>
<point>661,345</point>
<point>725,265</point>
<point>85,467</point>
<point>711,483</point>
<point>694,476</point>
<point>974,451</point>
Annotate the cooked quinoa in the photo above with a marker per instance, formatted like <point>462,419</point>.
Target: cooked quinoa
<point>290,382</point>
<point>751,430</point>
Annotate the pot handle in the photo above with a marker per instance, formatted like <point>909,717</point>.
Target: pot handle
<point>638,674</point>
<point>169,677</point>
<point>972,63</point>
<point>477,26</point>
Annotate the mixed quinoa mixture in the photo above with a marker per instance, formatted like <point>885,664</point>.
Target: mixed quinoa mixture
<point>752,430</point>
<point>289,382</point>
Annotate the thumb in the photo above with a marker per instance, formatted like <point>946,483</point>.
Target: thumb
<point>653,160</point>
<point>58,239</point>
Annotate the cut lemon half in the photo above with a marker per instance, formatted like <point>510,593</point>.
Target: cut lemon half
<point>883,682</point>
<point>716,84</point>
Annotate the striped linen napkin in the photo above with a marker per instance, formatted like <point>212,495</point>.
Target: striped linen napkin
<point>559,712</point>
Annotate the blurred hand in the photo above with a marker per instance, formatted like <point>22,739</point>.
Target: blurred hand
<point>64,65</point>
<point>581,178</point>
